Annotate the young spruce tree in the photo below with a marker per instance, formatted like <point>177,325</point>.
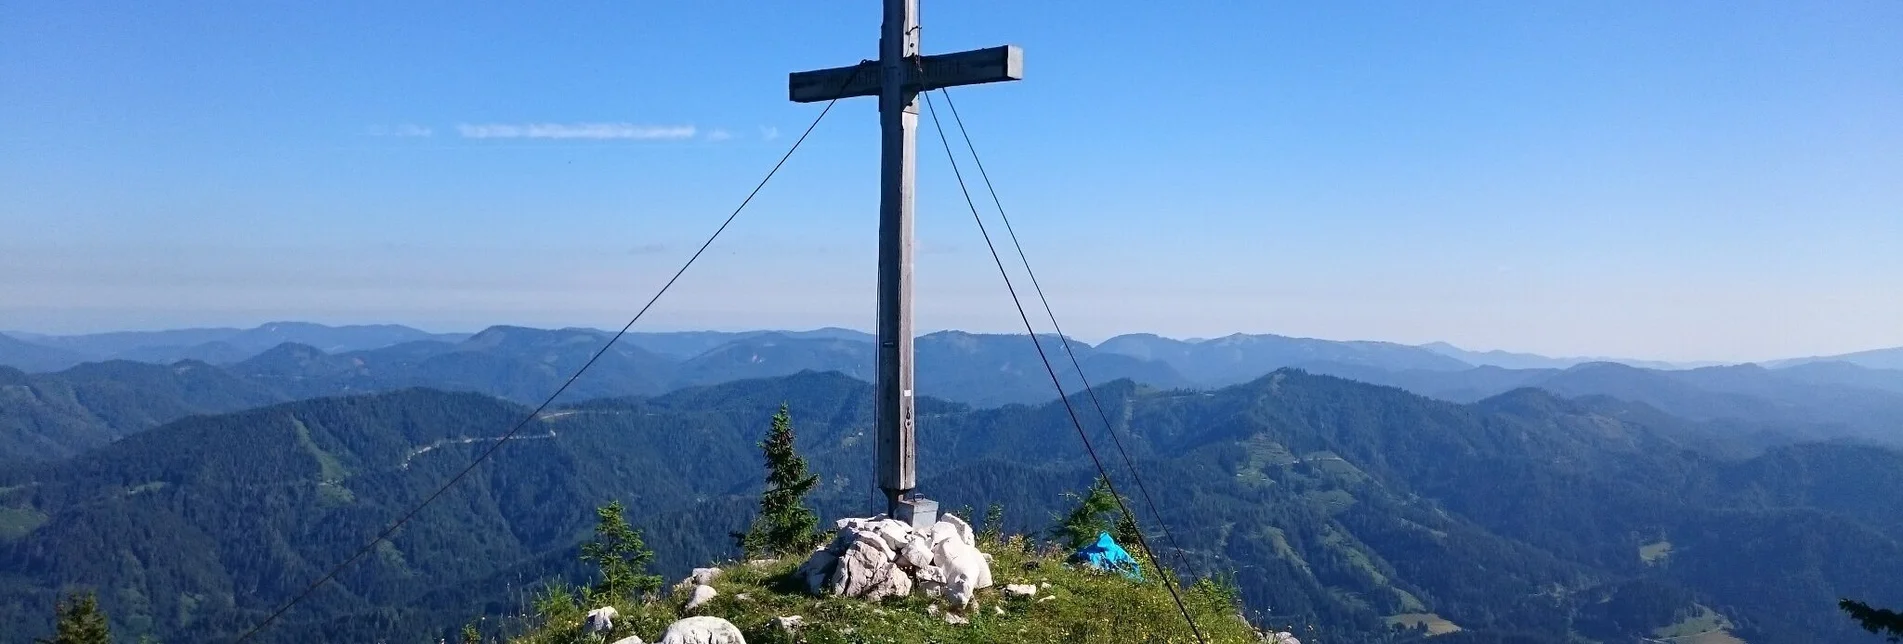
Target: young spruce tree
<point>785,525</point>
<point>620,555</point>
<point>1096,512</point>
<point>80,622</point>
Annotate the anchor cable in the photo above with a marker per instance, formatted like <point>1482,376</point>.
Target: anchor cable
<point>1074,419</point>
<point>1181,555</point>
<point>484,456</point>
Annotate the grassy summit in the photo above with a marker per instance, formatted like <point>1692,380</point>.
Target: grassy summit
<point>1073,604</point>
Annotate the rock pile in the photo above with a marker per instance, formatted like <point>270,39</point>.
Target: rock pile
<point>702,630</point>
<point>880,557</point>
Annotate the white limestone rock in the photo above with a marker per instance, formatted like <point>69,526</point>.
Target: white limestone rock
<point>1020,590</point>
<point>948,526</point>
<point>600,620</point>
<point>704,576</point>
<point>702,594</point>
<point>917,554</point>
<point>964,567</point>
<point>817,570</point>
<point>859,568</point>
<point>703,630</point>
<point>631,639</point>
<point>789,623</point>
<point>892,582</point>
<point>894,532</point>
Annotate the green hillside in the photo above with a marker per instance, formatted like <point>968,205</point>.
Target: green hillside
<point>1329,502</point>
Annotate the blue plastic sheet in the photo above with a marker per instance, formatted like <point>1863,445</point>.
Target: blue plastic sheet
<point>1107,556</point>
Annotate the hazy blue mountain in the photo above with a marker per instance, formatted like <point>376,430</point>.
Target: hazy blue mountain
<point>224,345</point>
<point>525,365</point>
<point>1511,360</point>
<point>995,369</point>
<point>34,357</point>
<point>1239,357</point>
<point>1845,374</point>
<point>99,345</point>
<point>1835,400</point>
<point>775,354</point>
<point>1891,358</point>
<point>216,352</point>
<point>1334,503</point>
<point>682,345</point>
<point>516,363</point>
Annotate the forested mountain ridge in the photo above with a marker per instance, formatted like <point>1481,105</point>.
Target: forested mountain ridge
<point>1820,400</point>
<point>55,415</point>
<point>1333,503</point>
<point>50,416</point>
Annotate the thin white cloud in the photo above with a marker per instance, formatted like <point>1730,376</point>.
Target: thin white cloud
<point>719,135</point>
<point>769,132</point>
<point>404,130</point>
<point>576,131</point>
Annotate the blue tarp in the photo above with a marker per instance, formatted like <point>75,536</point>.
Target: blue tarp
<point>1107,556</point>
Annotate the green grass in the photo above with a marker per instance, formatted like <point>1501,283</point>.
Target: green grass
<point>1084,606</point>
<point>1263,454</point>
<point>18,522</point>
<point>149,486</point>
<point>1706,627</point>
<point>1435,624</point>
<point>330,470</point>
<point>1653,553</point>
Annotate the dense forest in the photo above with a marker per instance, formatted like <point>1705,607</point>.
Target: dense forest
<point>1334,505</point>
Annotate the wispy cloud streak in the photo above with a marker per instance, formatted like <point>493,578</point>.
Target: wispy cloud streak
<point>405,130</point>
<point>627,131</point>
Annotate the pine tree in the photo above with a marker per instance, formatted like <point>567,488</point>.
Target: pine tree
<point>1126,531</point>
<point>1091,517</point>
<point>1881,621</point>
<point>80,622</point>
<point>470,635</point>
<point>785,525</point>
<point>994,523</point>
<point>620,555</point>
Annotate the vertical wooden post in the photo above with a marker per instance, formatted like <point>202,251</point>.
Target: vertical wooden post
<point>898,124</point>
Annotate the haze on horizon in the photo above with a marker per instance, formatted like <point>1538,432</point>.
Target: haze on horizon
<point>1692,181</point>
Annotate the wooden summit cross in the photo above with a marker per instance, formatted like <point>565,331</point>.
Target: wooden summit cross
<point>897,78</point>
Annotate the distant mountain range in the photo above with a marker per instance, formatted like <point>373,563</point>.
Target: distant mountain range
<point>217,345</point>
<point>52,415</point>
<point>1510,360</point>
<point>1212,361</point>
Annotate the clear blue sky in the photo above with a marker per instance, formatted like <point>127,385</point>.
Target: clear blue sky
<point>1681,180</point>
